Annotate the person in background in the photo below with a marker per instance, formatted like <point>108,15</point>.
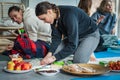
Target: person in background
<point>80,38</point>
<point>86,6</point>
<point>105,19</point>
<point>36,28</point>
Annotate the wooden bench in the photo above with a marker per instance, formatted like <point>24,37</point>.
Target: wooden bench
<point>10,30</point>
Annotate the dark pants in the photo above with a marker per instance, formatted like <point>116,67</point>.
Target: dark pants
<point>100,46</point>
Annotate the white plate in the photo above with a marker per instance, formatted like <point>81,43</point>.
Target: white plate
<point>47,73</point>
<point>15,71</point>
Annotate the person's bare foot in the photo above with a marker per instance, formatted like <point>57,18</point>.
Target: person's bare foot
<point>92,57</point>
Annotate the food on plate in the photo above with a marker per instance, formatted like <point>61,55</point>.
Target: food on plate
<point>57,65</point>
<point>54,66</point>
<point>16,57</point>
<point>17,66</point>
<point>114,65</point>
<point>10,65</point>
<point>48,71</point>
<point>26,66</point>
<point>17,63</point>
<point>78,68</point>
<point>60,63</point>
<point>73,68</point>
<point>103,63</point>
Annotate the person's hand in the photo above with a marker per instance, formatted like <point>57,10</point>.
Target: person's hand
<point>49,54</point>
<point>100,19</point>
<point>47,60</point>
<point>9,46</point>
<point>44,60</point>
<point>113,31</point>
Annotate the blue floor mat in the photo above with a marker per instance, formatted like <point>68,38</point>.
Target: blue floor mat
<point>105,54</point>
<point>108,53</point>
<point>102,77</point>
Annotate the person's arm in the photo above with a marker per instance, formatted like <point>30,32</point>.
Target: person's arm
<point>97,18</point>
<point>36,28</point>
<point>100,19</point>
<point>56,39</point>
<point>71,24</point>
<point>113,31</point>
<point>114,24</point>
<point>32,28</point>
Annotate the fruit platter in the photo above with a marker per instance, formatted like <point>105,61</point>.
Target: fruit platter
<point>85,69</point>
<point>114,66</point>
<point>17,65</point>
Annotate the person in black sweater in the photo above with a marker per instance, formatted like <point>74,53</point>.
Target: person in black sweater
<point>73,32</point>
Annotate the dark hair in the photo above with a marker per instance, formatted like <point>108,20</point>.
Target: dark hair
<point>13,8</point>
<point>85,5</point>
<point>41,8</point>
<point>102,5</point>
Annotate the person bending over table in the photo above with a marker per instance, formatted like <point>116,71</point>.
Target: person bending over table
<point>81,35</point>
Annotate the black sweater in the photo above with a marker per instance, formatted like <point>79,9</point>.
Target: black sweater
<point>74,24</point>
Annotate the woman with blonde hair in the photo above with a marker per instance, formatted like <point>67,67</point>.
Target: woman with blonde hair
<point>105,19</point>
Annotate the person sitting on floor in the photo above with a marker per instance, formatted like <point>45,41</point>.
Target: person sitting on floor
<point>106,20</point>
<point>37,30</point>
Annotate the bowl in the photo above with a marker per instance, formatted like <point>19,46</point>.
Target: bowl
<point>48,72</point>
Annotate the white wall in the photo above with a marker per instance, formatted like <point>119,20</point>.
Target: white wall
<point>33,3</point>
<point>4,7</point>
<point>15,1</point>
